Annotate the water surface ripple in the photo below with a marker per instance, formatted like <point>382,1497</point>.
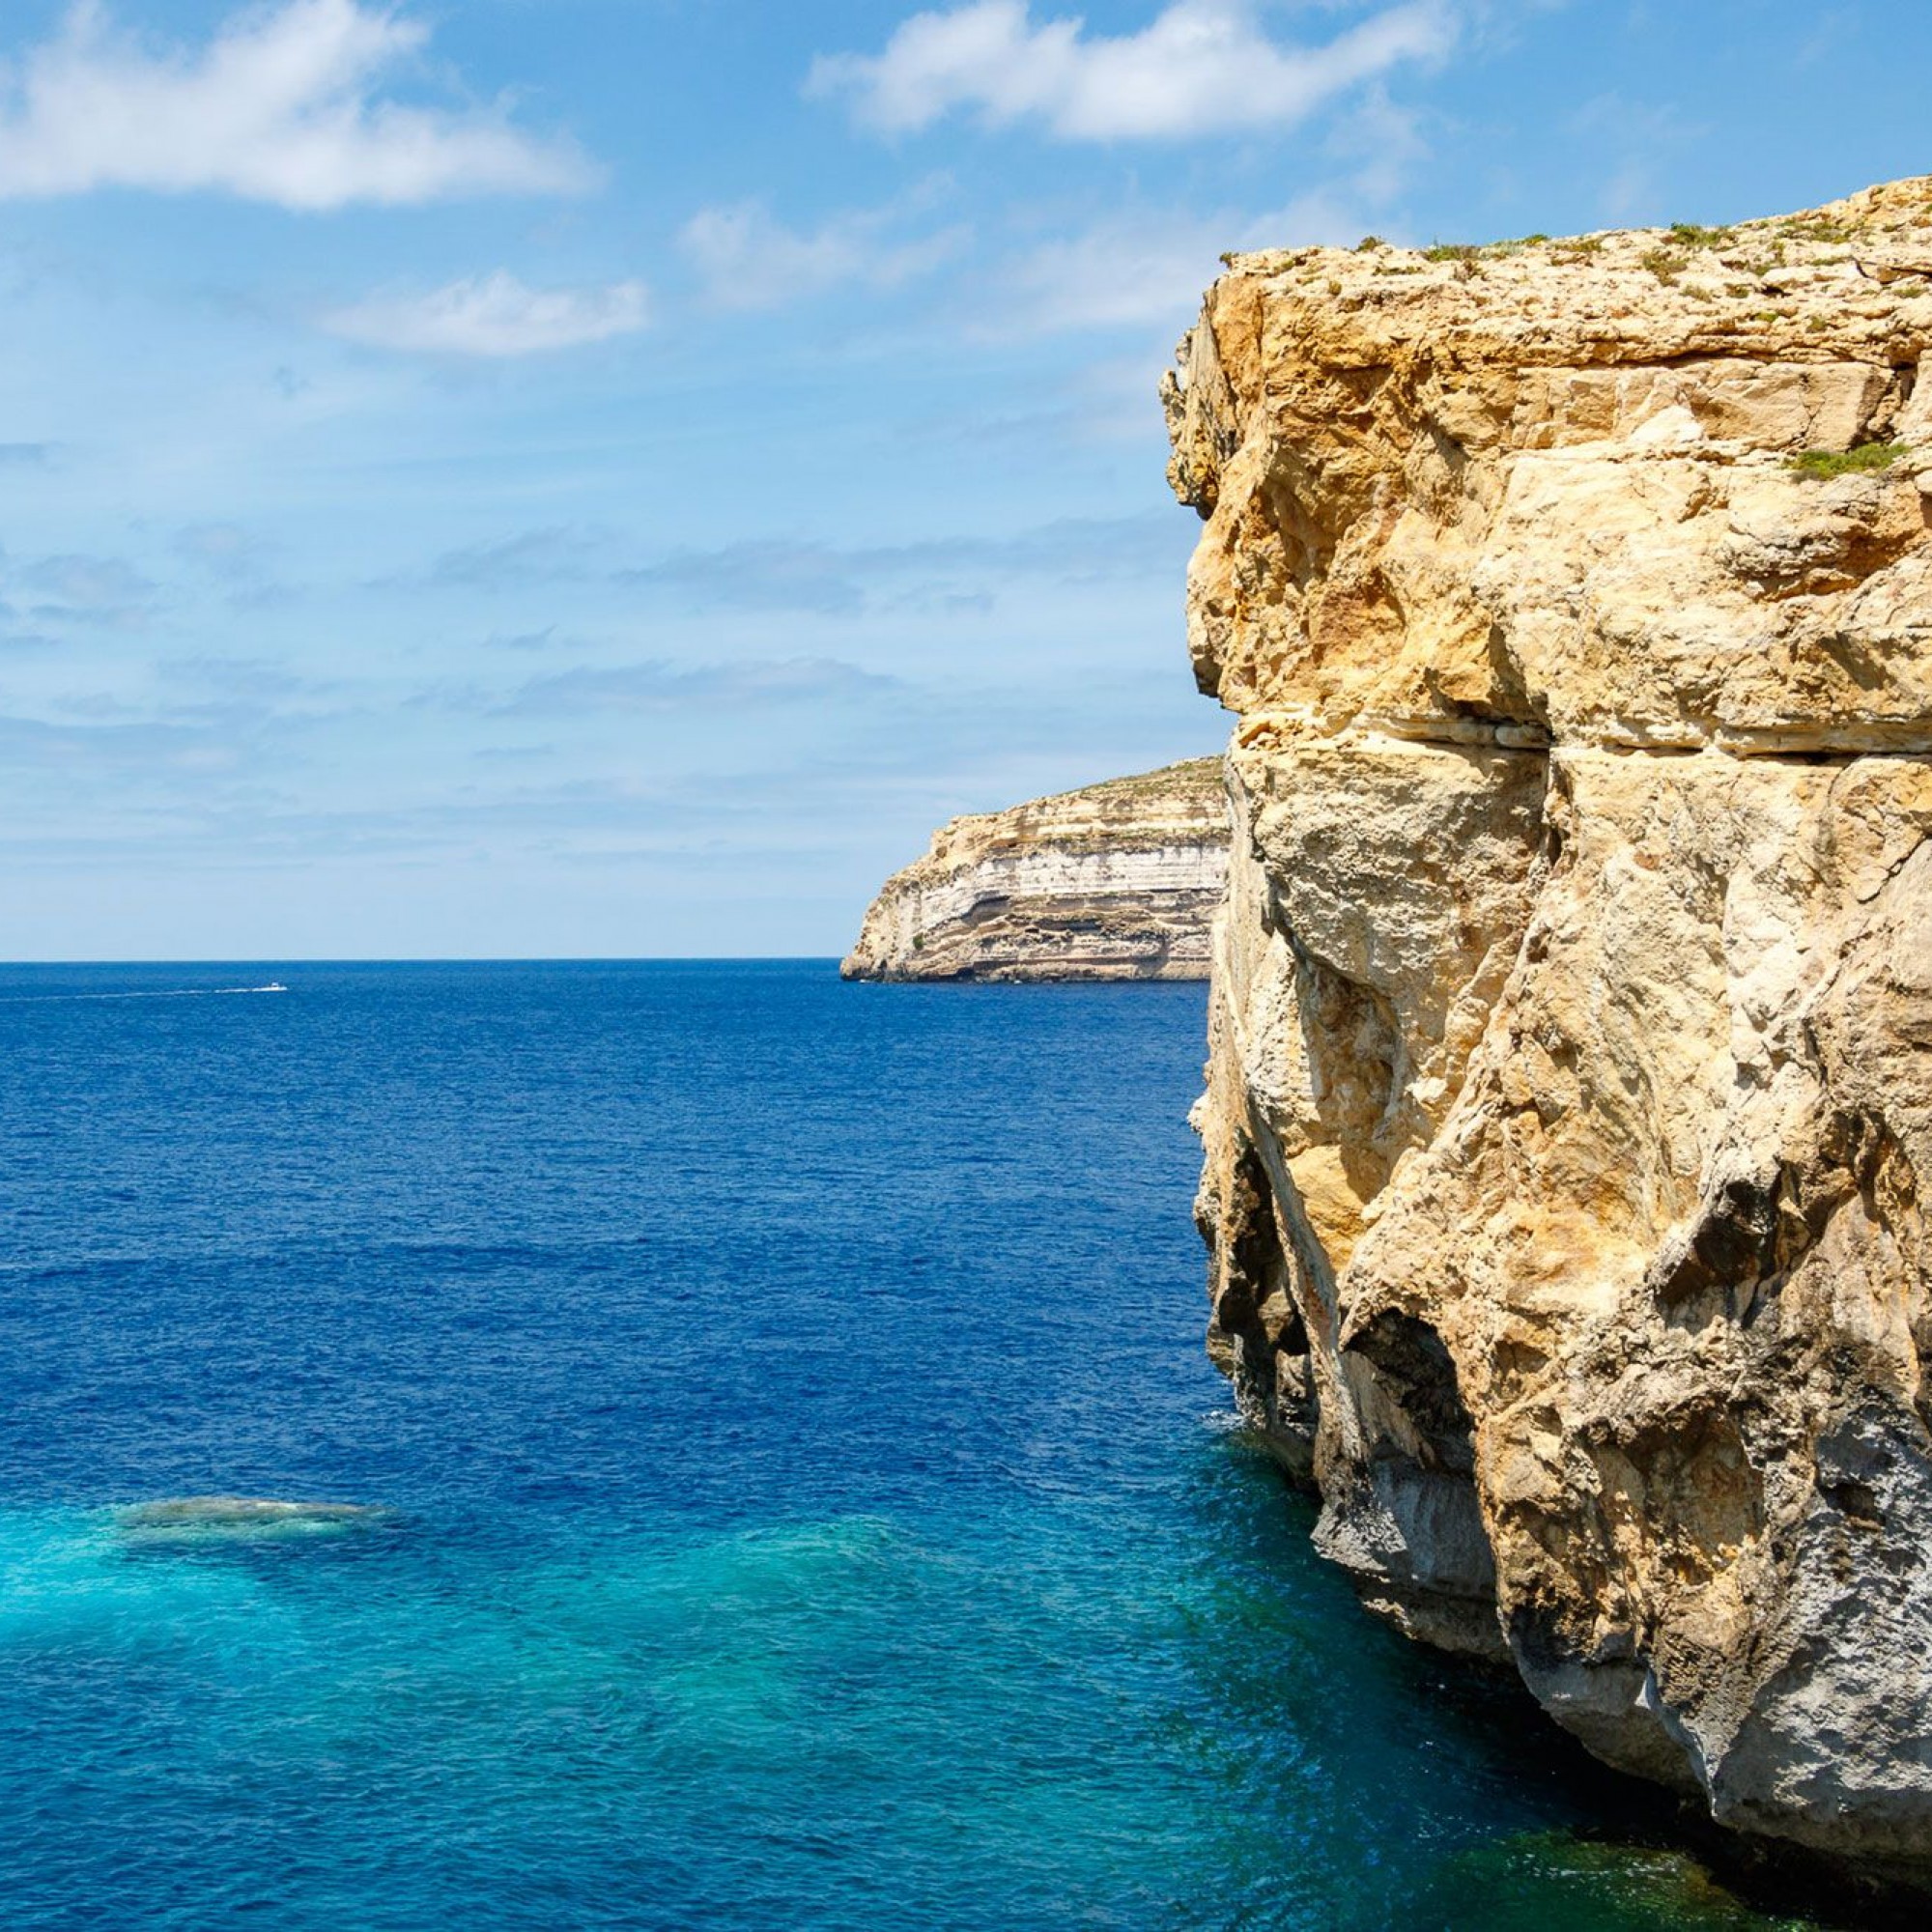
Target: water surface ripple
<point>800,1498</point>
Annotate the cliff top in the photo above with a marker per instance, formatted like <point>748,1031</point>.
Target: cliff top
<point>1139,809</point>
<point>1643,484</point>
<point>1786,281</point>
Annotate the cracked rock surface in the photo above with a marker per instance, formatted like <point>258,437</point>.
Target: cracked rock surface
<point>1570,1092</point>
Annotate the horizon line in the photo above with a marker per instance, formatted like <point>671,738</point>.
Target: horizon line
<point>445,959</point>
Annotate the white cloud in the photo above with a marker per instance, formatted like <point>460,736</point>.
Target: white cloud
<point>493,315</point>
<point>1117,275</point>
<point>1146,270</point>
<point>748,259</point>
<point>1202,66</point>
<point>284,105</point>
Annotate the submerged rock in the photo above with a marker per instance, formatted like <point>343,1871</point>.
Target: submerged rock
<point>201,1520</point>
<point>1570,1106</point>
<point>1116,882</point>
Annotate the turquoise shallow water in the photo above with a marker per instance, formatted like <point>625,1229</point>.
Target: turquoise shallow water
<point>805,1502</point>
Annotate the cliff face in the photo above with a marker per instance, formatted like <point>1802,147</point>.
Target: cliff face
<point>1116,882</point>
<point>1570,1105</point>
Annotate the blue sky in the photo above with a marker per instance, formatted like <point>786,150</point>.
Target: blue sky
<point>529,477</point>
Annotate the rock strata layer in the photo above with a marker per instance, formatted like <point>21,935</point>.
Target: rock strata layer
<point>1569,1100</point>
<point>1119,881</point>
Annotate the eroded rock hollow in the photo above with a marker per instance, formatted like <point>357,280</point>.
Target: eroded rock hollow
<point>1570,1098</point>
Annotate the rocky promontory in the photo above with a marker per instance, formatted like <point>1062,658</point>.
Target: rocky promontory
<point>1569,1111</point>
<point>1118,881</point>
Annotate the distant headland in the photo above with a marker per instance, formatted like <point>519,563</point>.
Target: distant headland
<point>1117,881</point>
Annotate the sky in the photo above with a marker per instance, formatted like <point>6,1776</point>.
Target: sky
<point>524,478</point>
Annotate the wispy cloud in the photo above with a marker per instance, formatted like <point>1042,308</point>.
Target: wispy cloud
<point>776,573</point>
<point>492,316</point>
<point>1202,66</point>
<point>772,574</point>
<point>748,259</point>
<point>1142,270</point>
<point>760,573</point>
<point>223,550</point>
<point>151,750</point>
<point>78,588</point>
<point>659,685</point>
<point>1120,273</point>
<point>552,555</point>
<point>1634,141</point>
<point>284,105</point>
<point>233,681</point>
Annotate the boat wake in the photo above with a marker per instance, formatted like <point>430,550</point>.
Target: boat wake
<point>162,993</point>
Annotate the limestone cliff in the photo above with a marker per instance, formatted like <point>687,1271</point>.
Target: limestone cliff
<point>1570,1105</point>
<point>1116,882</point>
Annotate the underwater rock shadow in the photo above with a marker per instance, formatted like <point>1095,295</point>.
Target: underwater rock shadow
<point>243,1522</point>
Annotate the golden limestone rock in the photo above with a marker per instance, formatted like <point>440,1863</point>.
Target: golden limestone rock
<point>1116,882</point>
<point>1570,1100</point>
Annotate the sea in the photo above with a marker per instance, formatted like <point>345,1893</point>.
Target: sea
<point>790,1491</point>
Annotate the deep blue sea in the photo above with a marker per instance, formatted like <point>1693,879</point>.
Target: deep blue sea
<point>804,1502</point>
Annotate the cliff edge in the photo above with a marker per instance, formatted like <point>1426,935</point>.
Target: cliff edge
<point>1118,881</point>
<point>1570,1102</point>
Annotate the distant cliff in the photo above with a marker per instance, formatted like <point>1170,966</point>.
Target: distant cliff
<point>1116,882</point>
<point>1569,1128</point>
